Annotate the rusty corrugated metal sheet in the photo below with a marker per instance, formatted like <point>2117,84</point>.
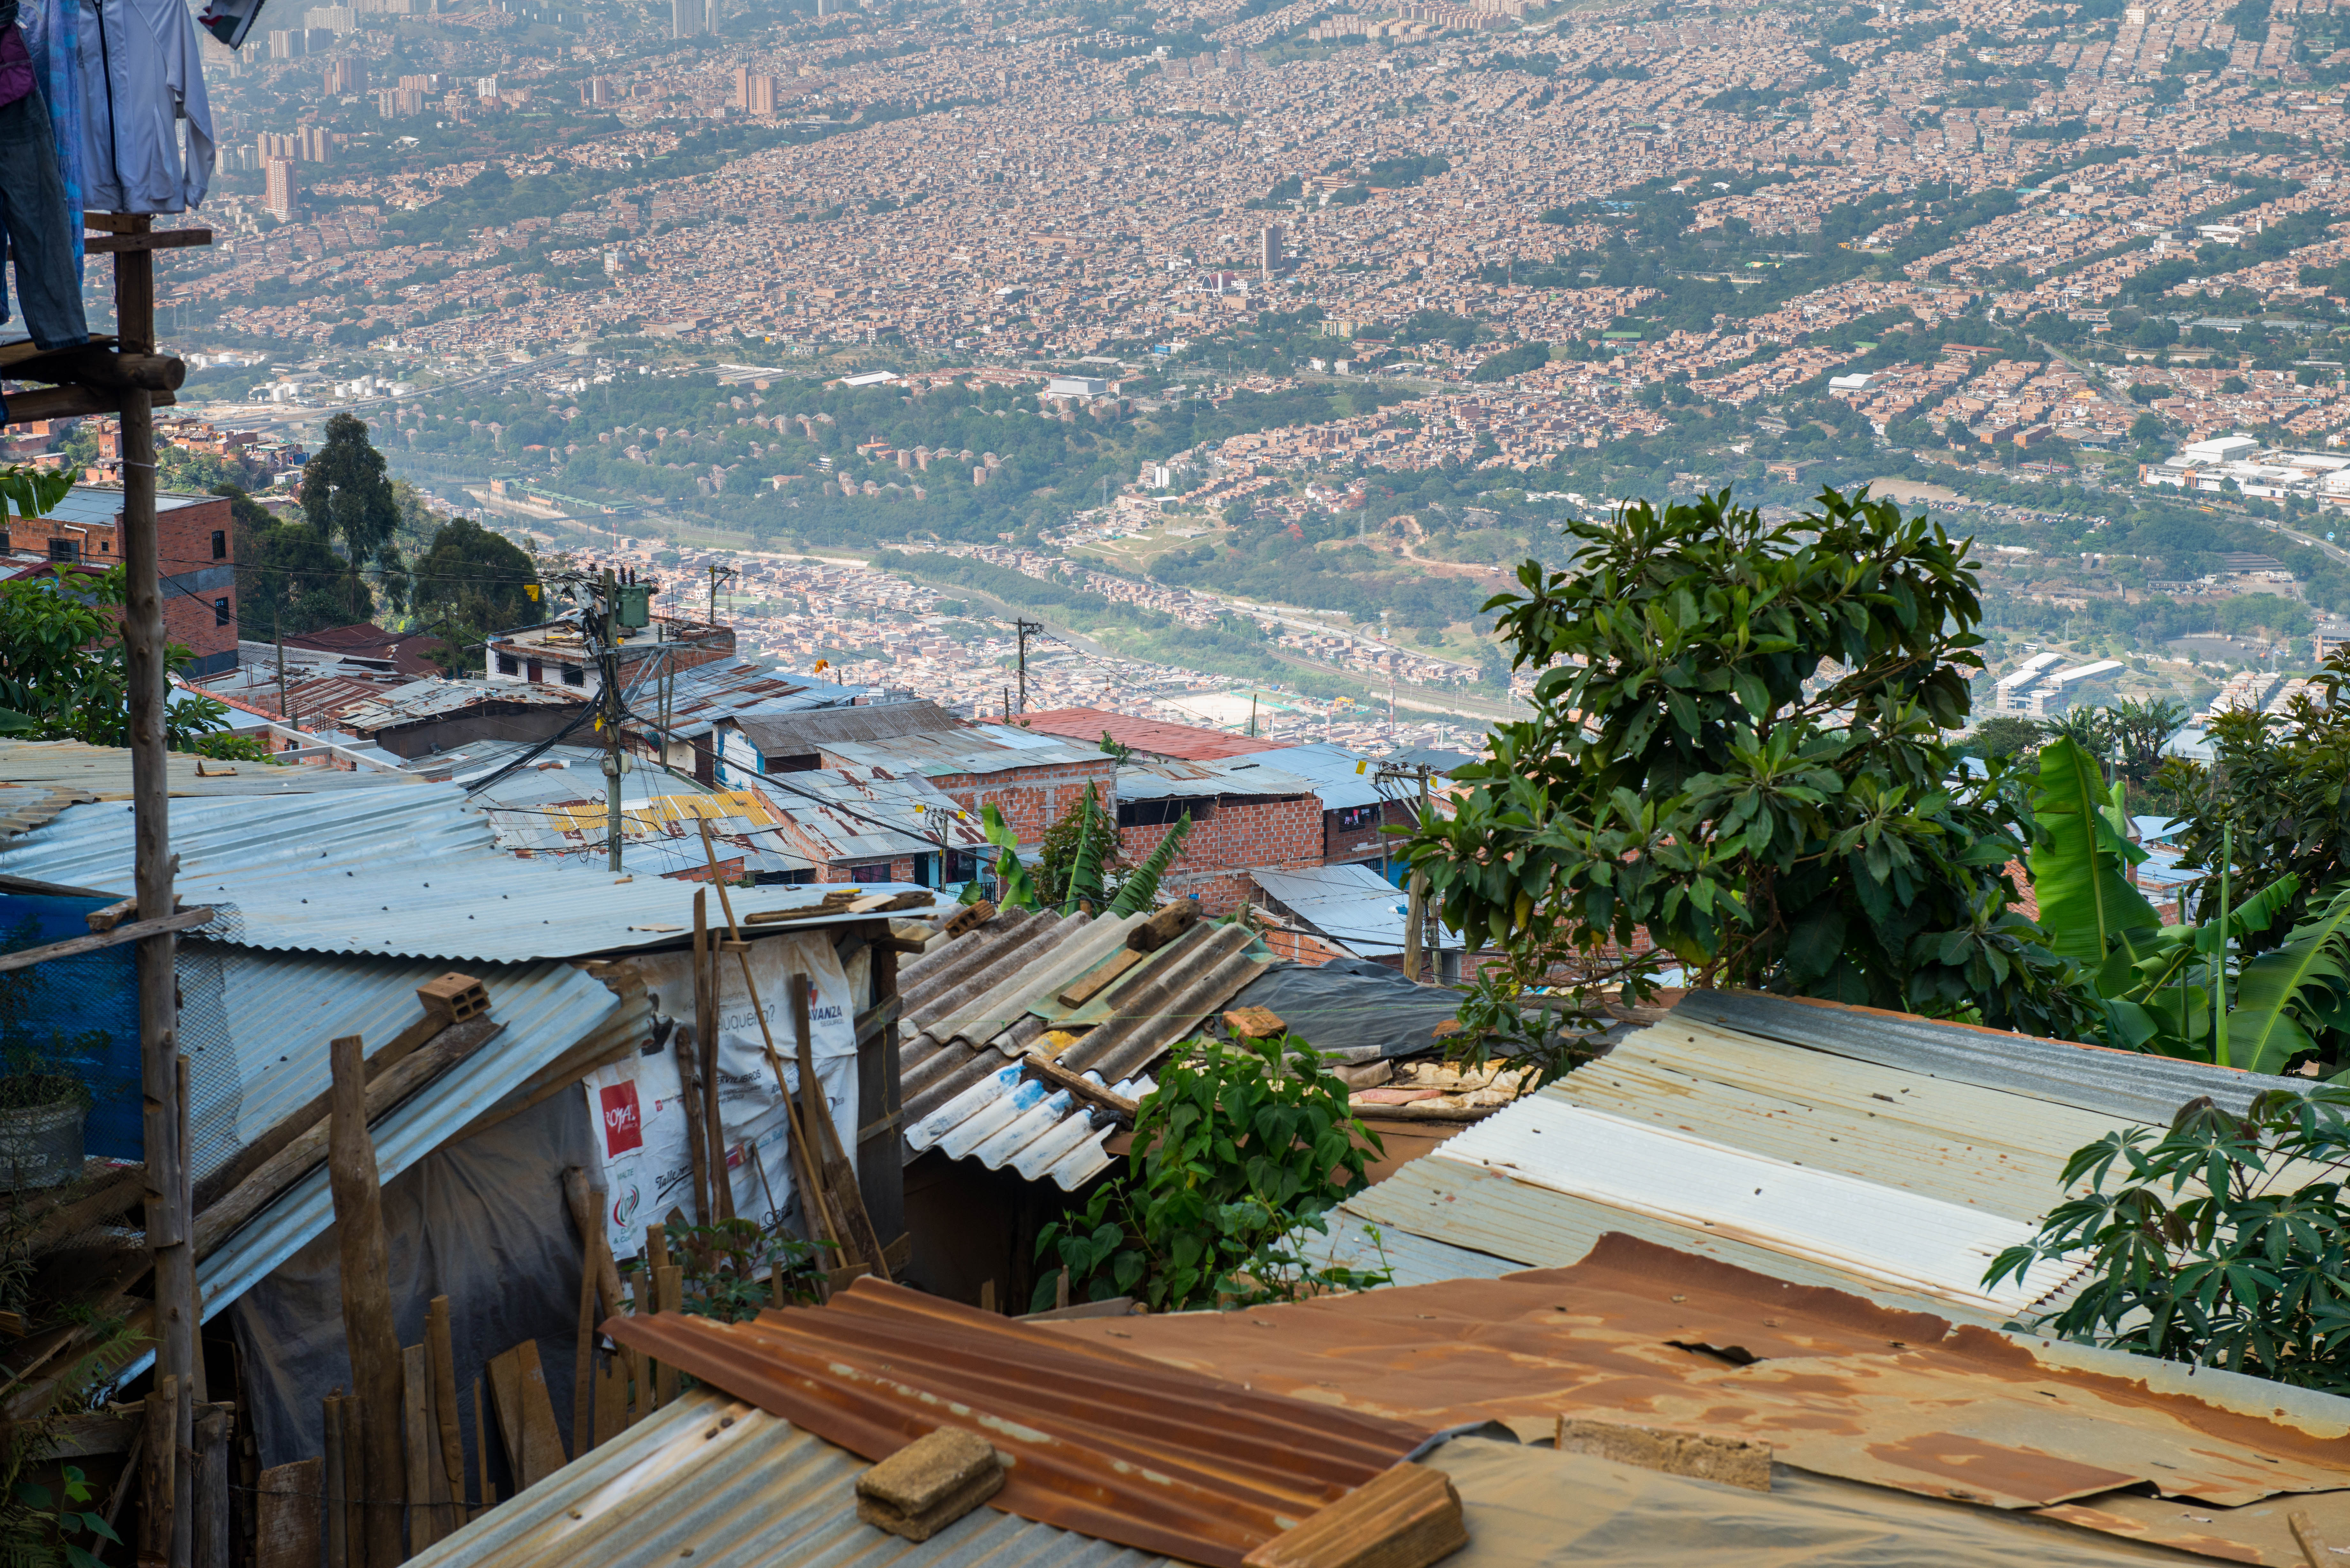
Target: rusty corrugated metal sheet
<point>1837,1385</point>
<point>1101,1441</point>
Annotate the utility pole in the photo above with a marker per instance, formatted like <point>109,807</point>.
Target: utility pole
<point>717,572</point>
<point>1026,629</point>
<point>607,671</point>
<point>1420,927</point>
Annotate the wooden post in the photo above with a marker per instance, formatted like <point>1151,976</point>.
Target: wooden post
<point>209,1543</point>
<point>583,1365</point>
<point>713,1124</point>
<point>697,1148</point>
<point>166,1162</point>
<point>339,1540</point>
<point>689,1061</point>
<point>442,1346</point>
<point>367,1301</point>
<point>354,1479</point>
<point>422,1458</point>
<point>159,1458</point>
<point>480,1452</point>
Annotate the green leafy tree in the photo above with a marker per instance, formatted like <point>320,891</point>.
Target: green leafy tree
<point>2007,735</point>
<point>289,580</point>
<point>1078,854</point>
<point>347,494</point>
<point>65,669</point>
<point>1240,1151</point>
<point>470,583</point>
<point>1738,750</point>
<point>2207,1243</point>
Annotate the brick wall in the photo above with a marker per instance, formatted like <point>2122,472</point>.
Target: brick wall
<point>1231,841</point>
<point>1368,842</point>
<point>197,546</point>
<point>1032,799</point>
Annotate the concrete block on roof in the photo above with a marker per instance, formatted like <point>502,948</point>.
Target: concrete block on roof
<point>929,1483</point>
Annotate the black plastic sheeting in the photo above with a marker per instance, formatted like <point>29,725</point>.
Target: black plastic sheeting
<point>1351,1007</point>
<point>483,1222</point>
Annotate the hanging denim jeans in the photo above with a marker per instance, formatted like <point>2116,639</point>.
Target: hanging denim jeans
<point>38,226</point>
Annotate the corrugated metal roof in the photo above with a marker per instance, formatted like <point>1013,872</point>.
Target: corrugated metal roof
<point>1205,781</point>
<point>704,694</point>
<point>800,734</point>
<point>841,814</point>
<point>1145,737</point>
<point>1896,1238</point>
<point>39,779</point>
<point>366,707</point>
<point>413,873</point>
<point>1351,905</point>
<point>559,1009</point>
<point>1994,1149</point>
<point>1099,1441</point>
<point>1652,1336</point>
<point>1331,769</point>
<point>713,1480</point>
<point>2114,1083</point>
<point>972,749</point>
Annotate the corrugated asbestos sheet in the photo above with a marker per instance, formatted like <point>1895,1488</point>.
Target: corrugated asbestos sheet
<point>976,1007</point>
<point>2194,1459</point>
<point>413,874</point>
<point>713,1480</point>
<point>1879,1179</point>
<point>1100,1440</point>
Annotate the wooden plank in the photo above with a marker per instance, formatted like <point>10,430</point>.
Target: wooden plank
<point>112,916</point>
<point>525,1414</point>
<point>161,240</point>
<point>367,1332</point>
<point>285,1516</point>
<point>422,1456</point>
<point>669,1295</point>
<point>697,1147</point>
<point>89,365</point>
<point>1044,1067</point>
<point>1087,987</point>
<point>236,1207</point>
<point>261,1149</point>
<point>713,1117</point>
<point>74,946</point>
<point>611,1399</point>
<point>440,1345</point>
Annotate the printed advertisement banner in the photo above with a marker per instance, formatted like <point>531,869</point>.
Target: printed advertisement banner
<point>641,1125</point>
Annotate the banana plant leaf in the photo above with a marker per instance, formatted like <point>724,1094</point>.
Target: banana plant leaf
<point>1140,888</point>
<point>2305,978</point>
<point>2080,860</point>
<point>1019,887</point>
<point>1094,837</point>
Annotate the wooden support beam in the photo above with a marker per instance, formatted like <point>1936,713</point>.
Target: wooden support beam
<point>73,947</point>
<point>1079,1087</point>
<point>235,1208</point>
<point>70,402</point>
<point>368,1330</point>
<point>86,365</point>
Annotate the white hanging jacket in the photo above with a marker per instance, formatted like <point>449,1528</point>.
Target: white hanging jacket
<point>141,80</point>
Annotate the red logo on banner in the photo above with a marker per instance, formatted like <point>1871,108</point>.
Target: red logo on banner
<point>624,1126</point>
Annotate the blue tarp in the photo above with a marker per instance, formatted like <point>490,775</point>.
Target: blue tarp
<point>91,1001</point>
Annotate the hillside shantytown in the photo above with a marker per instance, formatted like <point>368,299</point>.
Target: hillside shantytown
<point>1242,784</point>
